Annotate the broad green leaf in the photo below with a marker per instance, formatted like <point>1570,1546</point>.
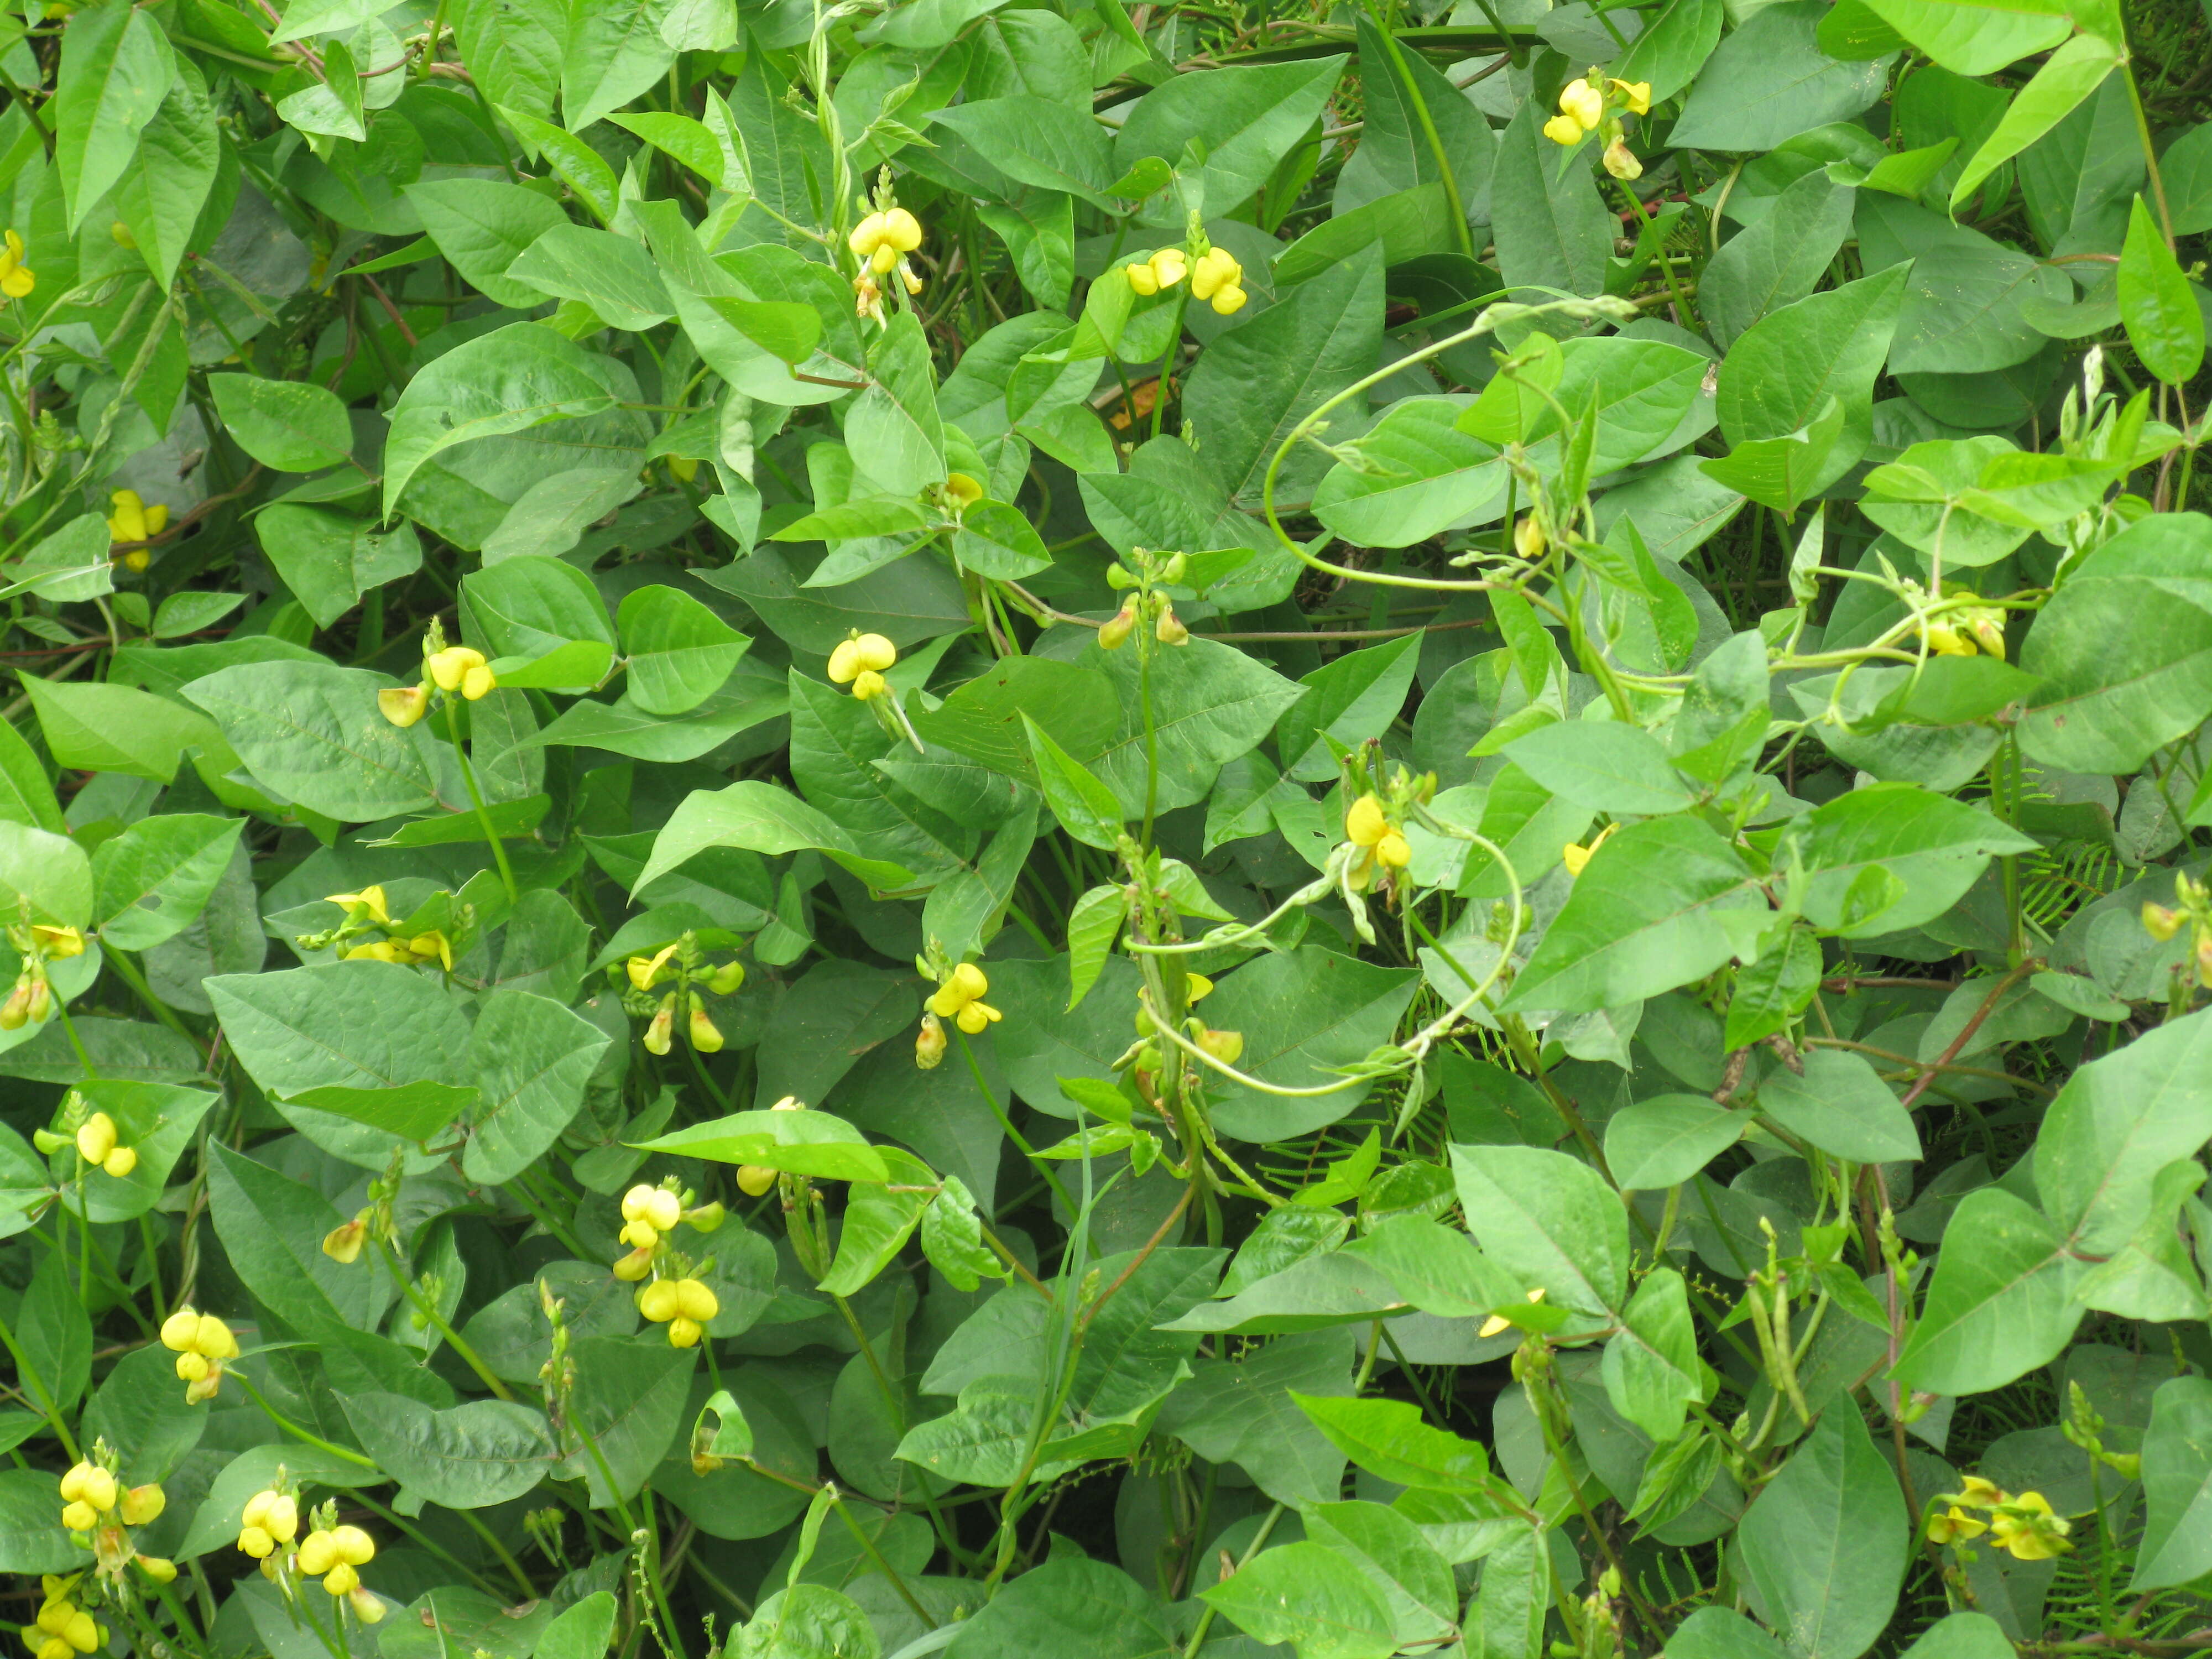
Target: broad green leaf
<point>1778,261</point>
<point>1978,37</point>
<point>2065,79</point>
<point>531,1057</point>
<point>1652,1373</point>
<point>354,1024</point>
<point>2117,1122</point>
<point>878,1222</point>
<point>1244,1413</point>
<point>680,653</point>
<point>1358,694</point>
<point>311,732</point>
<point>802,1142</point>
<point>1673,47</point>
<point>1085,808</point>
<point>170,174</point>
<point>1603,765</point>
<point>632,1404</point>
<point>1934,846</point>
<point>1552,227</point>
<point>1781,372</point>
<point>154,878</point>
<point>1242,120</point>
<point>469,1457</point>
<point>272,1228</point>
<point>583,169</point>
<point>1310,1597</point>
<point>2001,1303</point>
<point>1663,1141</point>
<point>1387,1437</point>
<point>2157,303</point>
<point>613,274</point>
<point>1418,475</point>
<point>1067,1605</point>
<point>1301,1013</point>
<point>1039,142</point>
<point>46,875</point>
<point>26,794</point>
<point>161,1122</point>
<point>329,560</point>
<point>2177,1474</point>
<point>1826,1543</point>
<point>1437,1268</point>
<point>1662,903</point>
<point>1549,1220</point>
<point>116,68</point>
<point>108,727</point>
<point>1841,1106</point>
<point>609,54</point>
<point>1770,81</point>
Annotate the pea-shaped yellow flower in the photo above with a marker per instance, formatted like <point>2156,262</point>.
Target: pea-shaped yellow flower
<point>960,999</point>
<point>15,278</point>
<point>133,522</point>
<point>1217,279</point>
<point>1162,271</point>
<point>862,655</point>
<point>1583,101</point>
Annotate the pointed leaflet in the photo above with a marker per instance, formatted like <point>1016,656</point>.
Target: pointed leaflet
<point>2157,303</point>
<point>2116,1124</point>
<point>1311,1597</point>
<point>1549,1220</point>
<point>1781,372</point>
<point>1086,807</point>
<point>2001,1303</point>
<point>1825,1544</point>
<point>166,181</point>
<point>116,68</point>
<point>1551,226</point>
<point>2053,93</point>
<point>1978,37</point>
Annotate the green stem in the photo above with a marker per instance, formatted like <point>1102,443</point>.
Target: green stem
<point>2150,150</point>
<point>477,800</point>
<point>1043,1166</point>
<point>1436,143</point>
<point>306,1436</point>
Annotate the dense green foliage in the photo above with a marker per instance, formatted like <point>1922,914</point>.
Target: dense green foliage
<point>1040,827</point>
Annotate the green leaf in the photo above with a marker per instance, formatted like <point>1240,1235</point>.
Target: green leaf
<point>2123,650</point>
<point>995,540</point>
<point>329,560</point>
<point>1039,142</point>
<point>1781,372</point>
<point>46,875</point>
<point>161,1122</point>
<point>1673,47</point>
<point>26,795</point>
<point>531,1057</point>
<point>116,68</point>
<point>468,1457</point>
<point>1311,1597</point>
<point>613,274</point>
<point>630,1400</point>
<point>1663,1141</point>
<point>1826,1544</point>
<point>272,1227</point>
<point>586,1631</point>
<point>1389,1438</point>
<point>412,1111</point>
<point>680,653</point>
<point>1243,1412</point>
<point>1358,693</point>
<point>311,732</point>
<point>152,879</point>
<point>330,107</point>
<point>1549,1220</point>
<point>119,728</point>
<point>2177,1474</point>
<point>800,1142</point>
<point>690,142</point>
<point>1841,1106</point>
<point>2001,1301</point>
<point>1778,261</point>
<point>1662,903</point>
<point>30,1538</point>
<point>368,1025</point>
<point>2059,86</point>
<point>1242,121</point>
<point>1770,81</point>
<point>53,1328</point>
<point>1551,226</point>
<point>1068,1604</point>
<point>1302,1013</point>
<point>1418,474</point>
<point>1978,37</point>
<point>166,182</point>
<point>1934,846</point>
<point>1085,808</point>
<point>1652,1372</point>
<point>1603,765</point>
<point>2157,303</point>
<point>2117,1122</point>
<point>519,376</point>
<point>878,1222</point>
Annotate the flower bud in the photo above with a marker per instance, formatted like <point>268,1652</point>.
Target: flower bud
<point>16,1013</point>
<point>962,491</point>
<point>2161,923</point>
<point>1118,577</point>
<point>1175,568</point>
<point>756,1180</point>
<point>663,1023</point>
<point>725,980</point>
<point>41,1002</point>
<point>1227,1047</point>
<point>142,1503</point>
<point>404,705</point>
<point>366,1607</point>
<point>684,1332</point>
<point>706,1039</point>
<point>706,1218</point>
<point>633,1267</point>
<point>1117,629</point>
<point>1620,161</point>
<point>1169,629</point>
<point>343,1243</point>
<point>160,1569</point>
<point>95,1137</point>
<point>929,1042</point>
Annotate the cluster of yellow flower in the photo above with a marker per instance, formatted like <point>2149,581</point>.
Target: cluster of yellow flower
<point>132,523</point>
<point>959,998</point>
<point>270,1522</point>
<point>859,661</point>
<point>1215,277</point>
<point>64,1629</point>
<point>881,242</point>
<point>90,1490</point>
<point>366,907</point>
<point>1582,109</point>
<point>97,1143</point>
<point>1366,825</point>
<point>451,669</point>
<point>32,997</point>
<point>2023,1524</point>
<point>17,280</point>
<point>685,1305</point>
<point>202,1344</point>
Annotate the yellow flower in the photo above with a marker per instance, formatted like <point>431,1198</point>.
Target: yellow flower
<point>95,1137</point>
<point>656,1207</point>
<point>1563,130</point>
<point>319,1553</point>
<point>1583,102</point>
<point>341,1580</point>
<point>1529,538</point>
<point>1620,161</point>
<point>1636,94</point>
<point>2025,1526</point>
<point>369,901</point>
<point>15,278</point>
<point>90,1483</point>
<point>343,1243</point>
<point>143,1504</point>
<point>894,232</point>
<point>696,1301</point>
<point>756,1180</point>
<point>929,1042</point>
<point>868,684</point>
<point>1363,823</point>
<point>120,1162</point>
<point>449,668</point>
<point>383,949</point>
<point>80,1516</point>
<point>404,705</point>
<point>275,1513</point>
<point>57,943</point>
<point>1163,271</point>
<point>1218,278</point>
<point>1496,1322</point>
<point>1954,1525</point>
<point>433,946</point>
<point>977,1018</point>
<point>1227,1047</point>
<point>478,683</point>
<point>657,1301</point>
<point>133,520</point>
<point>964,985</point>
<point>1393,851</point>
<point>636,1264</point>
<point>2161,923</point>
<point>962,491</point>
<point>663,1023</point>
<point>725,980</point>
<point>1200,988</point>
<point>256,1542</point>
<point>706,1037</point>
<point>1577,858</point>
<point>861,653</point>
<point>644,971</point>
<point>160,1569</point>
